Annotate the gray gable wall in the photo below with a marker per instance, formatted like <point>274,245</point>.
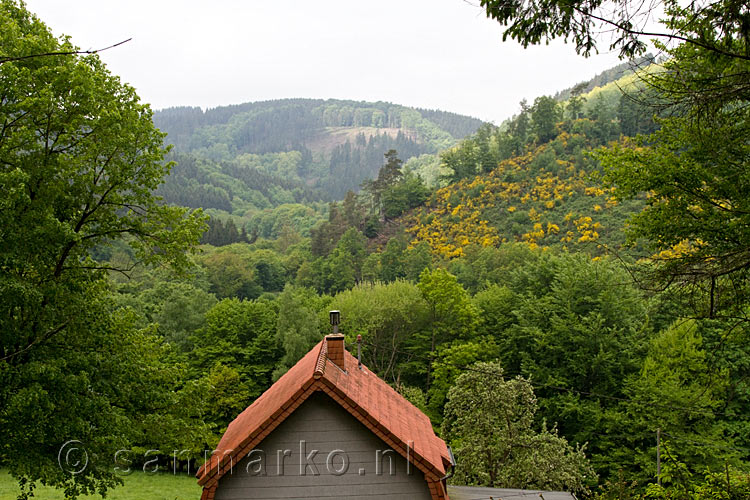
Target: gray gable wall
<point>350,462</point>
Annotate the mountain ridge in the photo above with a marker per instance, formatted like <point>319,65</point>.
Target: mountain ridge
<point>331,145</point>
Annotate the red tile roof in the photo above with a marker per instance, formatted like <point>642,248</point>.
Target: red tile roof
<point>368,398</point>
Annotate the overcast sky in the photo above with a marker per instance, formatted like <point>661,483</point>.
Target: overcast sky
<point>442,54</point>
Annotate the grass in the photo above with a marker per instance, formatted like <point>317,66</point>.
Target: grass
<point>138,486</point>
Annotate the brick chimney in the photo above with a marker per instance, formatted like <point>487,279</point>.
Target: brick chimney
<point>335,348</point>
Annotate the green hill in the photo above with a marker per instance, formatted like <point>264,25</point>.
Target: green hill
<point>331,145</point>
<point>534,180</point>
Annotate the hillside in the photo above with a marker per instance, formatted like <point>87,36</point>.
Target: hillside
<point>545,197</point>
<point>332,145</point>
<point>273,167</point>
<point>605,78</point>
<point>535,179</point>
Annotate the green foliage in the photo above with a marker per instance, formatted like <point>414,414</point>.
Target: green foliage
<point>696,211</point>
<point>482,267</point>
<point>679,484</point>
<point>477,154</point>
<point>345,262</point>
<point>389,317</point>
<point>427,167</point>
<point>224,396</point>
<point>175,304</point>
<point>451,312</point>
<point>577,328</point>
<point>92,385</point>
<point>489,423</point>
<point>678,392</point>
<point>238,270</point>
<point>298,327</point>
<point>545,113</point>
<point>333,145</point>
<point>271,223</point>
<point>634,114</point>
<point>388,176</point>
<point>231,274</point>
<point>241,335</point>
<point>237,186</point>
<point>496,305</point>
<point>402,197</point>
<point>220,234</point>
<point>80,160</point>
<point>452,360</point>
<point>619,489</point>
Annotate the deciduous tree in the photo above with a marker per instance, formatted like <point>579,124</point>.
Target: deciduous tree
<point>79,161</point>
<point>489,421</point>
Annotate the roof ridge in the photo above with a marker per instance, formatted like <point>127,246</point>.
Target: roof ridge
<point>320,365</point>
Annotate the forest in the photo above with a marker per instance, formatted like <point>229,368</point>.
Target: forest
<point>565,294</point>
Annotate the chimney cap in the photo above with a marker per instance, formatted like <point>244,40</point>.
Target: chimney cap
<point>335,317</point>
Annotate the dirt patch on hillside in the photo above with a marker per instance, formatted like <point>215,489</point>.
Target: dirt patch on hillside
<point>330,137</point>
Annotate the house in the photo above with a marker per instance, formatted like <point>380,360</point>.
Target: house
<point>329,428</point>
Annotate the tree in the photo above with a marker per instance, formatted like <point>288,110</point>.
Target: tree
<point>576,324</point>
<point>452,314</point>
<point>520,126</point>
<point>545,113</point>
<point>576,101</point>
<point>695,166</point>
<point>635,115</point>
<point>390,173</point>
<point>459,161</point>
<point>678,392</point>
<point>416,259</point>
<point>392,259</point>
<point>352,211</point>
<point>346,260</point>
<point>452,360</point>
<point>489,424</point>
<point>387,316</point>
<point>239,334</point>
<point>407,193</point>
<point>603,116</point>
<point>711,26</point>
<point>495,305</point>
<point>79,161</point>
<point>388,176</point>
<point>231,272</point>
<point>177,305</point>
<point>298,327</point>
<point>696,219</point>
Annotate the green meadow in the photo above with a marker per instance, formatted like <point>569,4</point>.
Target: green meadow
<point>138,486</point>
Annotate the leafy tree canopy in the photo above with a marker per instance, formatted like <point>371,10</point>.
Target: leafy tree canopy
<point>713,26</point>
<point>489,421</point>
<point>79,161</point>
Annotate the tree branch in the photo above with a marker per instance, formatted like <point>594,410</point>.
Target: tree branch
<point>672,36</point>
<point>68,53</point>
<point>31,344</point>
